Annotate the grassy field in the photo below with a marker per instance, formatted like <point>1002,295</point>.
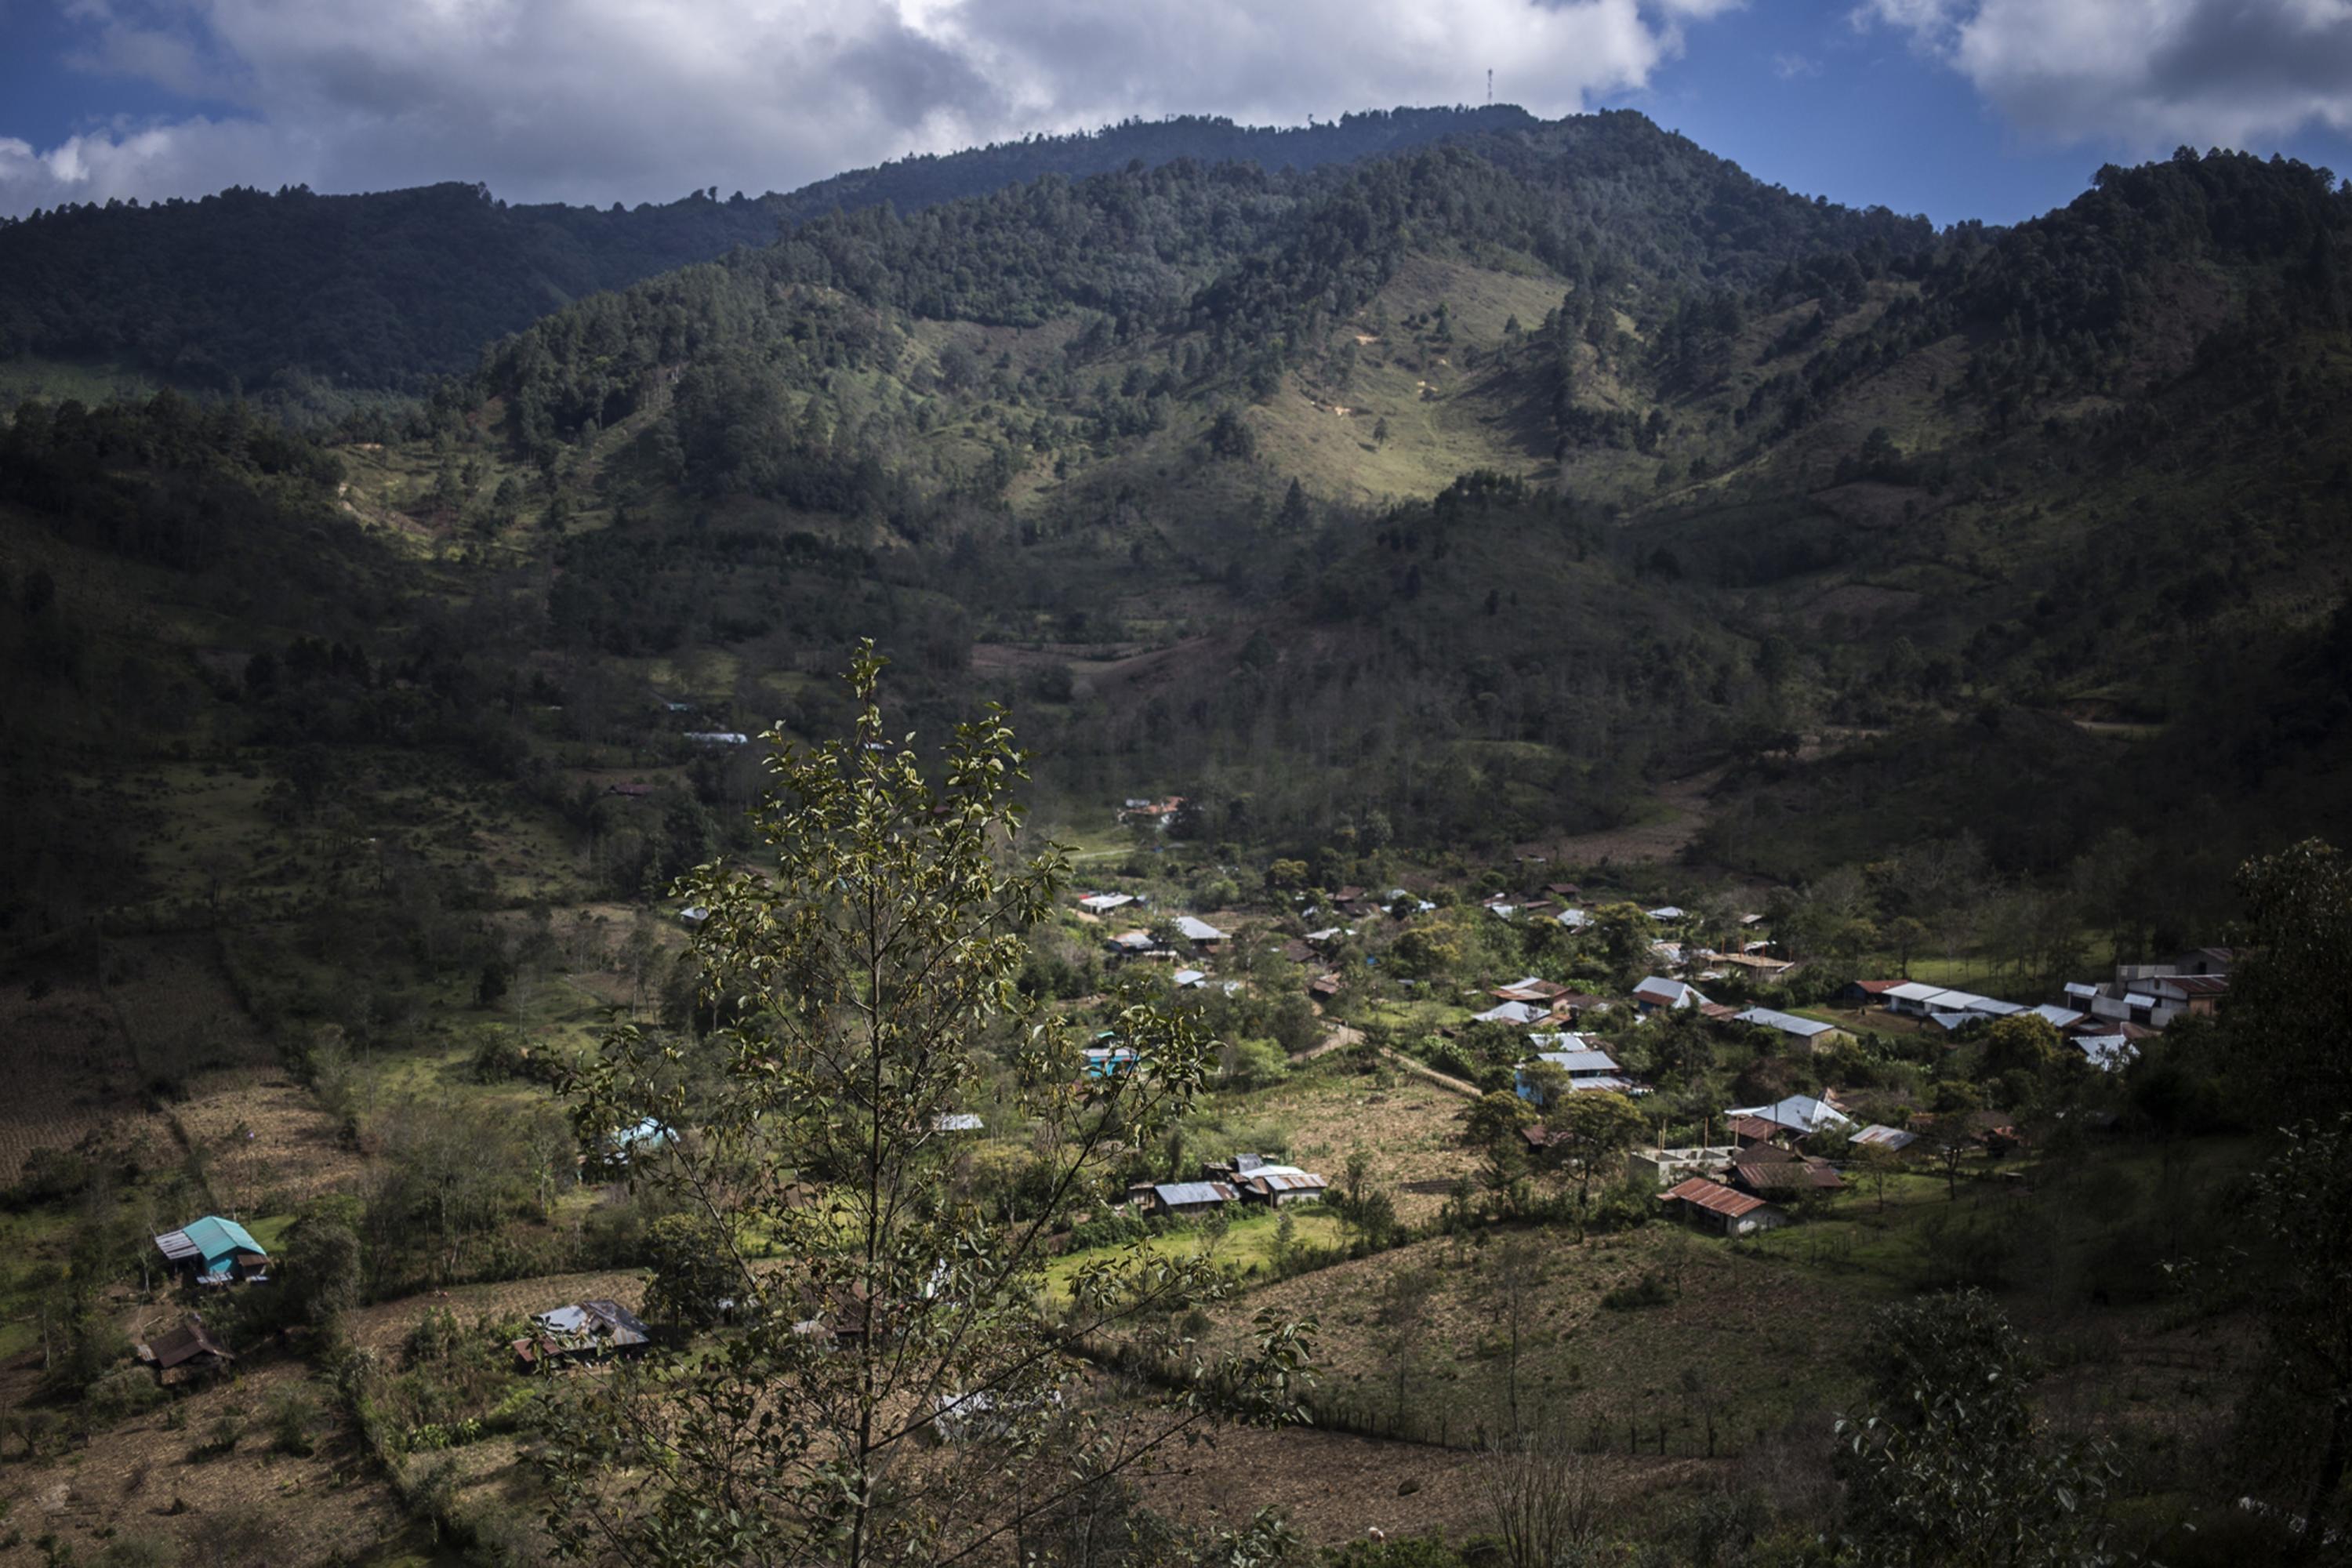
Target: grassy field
<point>1746,1338</point>
<point>1409,1130</point>
<point>1244,1247</point>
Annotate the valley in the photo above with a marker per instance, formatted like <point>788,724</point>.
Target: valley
<point>1524,590</point>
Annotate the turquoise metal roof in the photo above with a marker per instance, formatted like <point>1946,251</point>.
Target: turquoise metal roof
<point>216,1240</point>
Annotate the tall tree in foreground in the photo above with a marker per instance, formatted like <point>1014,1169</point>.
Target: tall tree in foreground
<point>1950,1467</point>
<point>901,1385</point>
<point>2295,1420</point>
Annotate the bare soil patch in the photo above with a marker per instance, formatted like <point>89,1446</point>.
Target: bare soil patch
<point>249,1507</point>
<point>267,1146</point>
<point>1334,1487</point>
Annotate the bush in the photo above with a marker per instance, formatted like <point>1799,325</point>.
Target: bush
<point>1415,1552</point>
<point>292,1414</point>
<point>1650,1291</point>
<point>140,1549</point>
<point>435,1337</point>
<point>227,1432</point>
<point>120,1395</point>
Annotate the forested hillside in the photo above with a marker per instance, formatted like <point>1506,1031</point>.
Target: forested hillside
<point>1464,494</point>
<point>390,289</point>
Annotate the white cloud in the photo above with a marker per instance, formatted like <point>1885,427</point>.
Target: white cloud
<point>2145,73</point>
<point>605,100</point>
<point>1790,66</point>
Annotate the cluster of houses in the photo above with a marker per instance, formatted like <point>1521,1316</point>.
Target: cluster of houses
<point>2105,1022</point>
<point>1196,935</point>
<point>1747,1183</point>
<point>1244,1179</point>
<point>209,1253</point>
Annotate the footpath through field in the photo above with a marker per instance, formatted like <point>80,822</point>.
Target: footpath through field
<point>1342,1035</point>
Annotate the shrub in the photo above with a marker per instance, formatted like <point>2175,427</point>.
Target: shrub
<point>291,1416</point>
<point>227,1431</point>
<point>140,1549</point>
<point>1650,1291</point>
<point>120,1395</point>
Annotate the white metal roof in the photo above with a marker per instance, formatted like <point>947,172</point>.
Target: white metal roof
<point>1798,1110</point>
<point>1787,1023</point>
<point>1913,991</point>
<point>1197,930</point>
<point>1174,1193</point>
<point>1669,993</point>
<point>1512,1013</point>
<point>1581,1061</point>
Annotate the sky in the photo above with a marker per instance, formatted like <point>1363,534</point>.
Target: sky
<point>1995,110</point>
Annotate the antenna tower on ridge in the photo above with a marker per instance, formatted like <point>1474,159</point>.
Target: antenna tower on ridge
<point>1490,87</point>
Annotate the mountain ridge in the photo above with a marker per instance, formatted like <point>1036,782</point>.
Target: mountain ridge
<point>390,288</point>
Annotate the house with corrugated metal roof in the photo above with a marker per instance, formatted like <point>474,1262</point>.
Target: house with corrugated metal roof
<point>1720,1208</point>
<point>585,1331</point>
<point>1657,994</point>
<point>1810,1031</point>
<point>1586,1066</point>
<point>1199,932</point>
<point>1767,1172</point>
<point>185,1354</point>
<point>213,1251</point>
<point>1276,1185</point>
<point>1800,1113</point>
<point>1191,1197</point>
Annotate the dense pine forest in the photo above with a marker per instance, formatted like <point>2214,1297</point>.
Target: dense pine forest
<point>304,294</point>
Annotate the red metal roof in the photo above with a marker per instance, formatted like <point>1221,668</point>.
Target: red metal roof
<point>1714,1197</point>
<point>2194,984</point>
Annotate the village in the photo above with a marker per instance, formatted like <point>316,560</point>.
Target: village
<point>1408,1067</point>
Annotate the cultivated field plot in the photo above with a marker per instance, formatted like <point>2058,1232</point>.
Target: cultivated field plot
<point>252,1505</point>
<point>70,1075</point>
<point>180,1015</point>
<point>1333,1487</point>
<point>384,1326</point>
<point>267,1147</point>
<point>1407,1127</point>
